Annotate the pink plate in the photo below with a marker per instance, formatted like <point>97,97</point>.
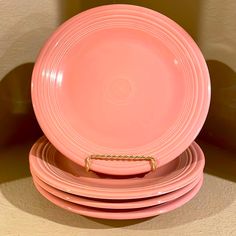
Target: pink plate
<point>120,80</point>
<point>61,173</point>
<point>121,214</point>
<point>119,204</point>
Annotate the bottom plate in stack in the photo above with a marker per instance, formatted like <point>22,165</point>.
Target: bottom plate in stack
<point>97,195</point>
<point>121,214</point>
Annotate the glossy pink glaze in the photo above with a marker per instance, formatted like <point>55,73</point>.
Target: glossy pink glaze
<point>58,171</point>
<point>120,204</point>
<point>120,79</point>
<point>121,214</point>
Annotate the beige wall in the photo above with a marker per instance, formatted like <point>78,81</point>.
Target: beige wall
<point>26,24</point>
<point>24,27</point>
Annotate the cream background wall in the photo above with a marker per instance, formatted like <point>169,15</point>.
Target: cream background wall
<point>217,31</point>
<point>24,27</point>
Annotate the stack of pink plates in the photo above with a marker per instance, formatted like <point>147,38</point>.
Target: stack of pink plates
<point>120,92</point>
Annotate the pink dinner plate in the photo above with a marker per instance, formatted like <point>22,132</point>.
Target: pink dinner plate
<point>121,214</point>
<point>59,172</point>
<point>119,204</point>
<point>120,80</point>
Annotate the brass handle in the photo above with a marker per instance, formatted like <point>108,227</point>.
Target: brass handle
<point>152,160</point>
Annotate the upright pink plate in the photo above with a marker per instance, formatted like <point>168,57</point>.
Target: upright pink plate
<point>121,214</point>
<point>120,80</point>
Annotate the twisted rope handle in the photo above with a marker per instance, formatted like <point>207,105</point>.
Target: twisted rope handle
<point>151,160</point>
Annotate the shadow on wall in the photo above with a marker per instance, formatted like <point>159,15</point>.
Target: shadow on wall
<point>17,121</point>
<point>220,125</point>
<point>188,18</point>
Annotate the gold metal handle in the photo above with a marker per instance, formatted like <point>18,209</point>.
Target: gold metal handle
<point>151,160</point>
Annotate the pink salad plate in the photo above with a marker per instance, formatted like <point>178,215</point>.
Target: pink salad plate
<point>120,204</point>
<point>48,164</point>
<point>121,214</point>
<point>120,80</point>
